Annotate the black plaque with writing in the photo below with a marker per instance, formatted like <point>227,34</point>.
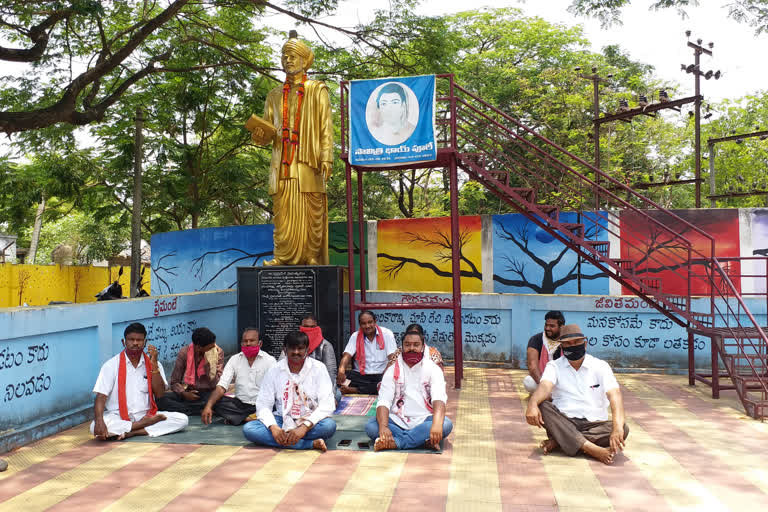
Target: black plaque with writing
<point>284,297</point>
<point>274,299</point>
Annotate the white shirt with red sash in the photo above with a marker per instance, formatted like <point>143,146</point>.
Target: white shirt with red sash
<point>136,397</point>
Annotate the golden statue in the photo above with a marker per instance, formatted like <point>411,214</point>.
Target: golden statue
<point>297,120</point>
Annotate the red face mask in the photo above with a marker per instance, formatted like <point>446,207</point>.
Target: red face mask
<point>251,351</point>
<point>411,358</point>
<point>133,352</point>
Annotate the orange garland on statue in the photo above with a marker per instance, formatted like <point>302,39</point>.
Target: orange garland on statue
<point>291,136</point>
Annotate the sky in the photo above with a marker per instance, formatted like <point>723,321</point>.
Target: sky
<point>652,37</point>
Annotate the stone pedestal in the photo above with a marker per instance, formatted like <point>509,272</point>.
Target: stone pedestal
<point>275,298</point>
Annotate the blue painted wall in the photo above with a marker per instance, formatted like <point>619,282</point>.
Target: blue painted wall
<point>496,327</point>
<point>527,259</point>
<point>50,356</point>
<point>206,259</point>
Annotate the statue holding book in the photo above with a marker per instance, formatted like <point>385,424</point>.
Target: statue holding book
<point>297,121</point>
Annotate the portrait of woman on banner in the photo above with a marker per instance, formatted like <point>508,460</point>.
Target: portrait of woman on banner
<point>392,113</point>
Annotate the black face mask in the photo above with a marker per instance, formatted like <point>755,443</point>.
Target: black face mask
<point>574,353</point>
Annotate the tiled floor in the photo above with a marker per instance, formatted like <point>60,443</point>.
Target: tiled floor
<point>685,452</point>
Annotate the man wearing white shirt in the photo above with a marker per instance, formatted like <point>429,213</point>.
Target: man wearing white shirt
<point>248,369</point>
<point>411,405</point>
<point>126,390</point>
<point>299,389</point>
<point>370,346</point>
<point>582,388</point>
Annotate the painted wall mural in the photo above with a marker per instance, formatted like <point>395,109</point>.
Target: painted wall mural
<point>206,259</point>
<point>415,254</point>
<point>759,266</point>
<point>655,247</point>
<point>338,247</point>
<point>527,259</point>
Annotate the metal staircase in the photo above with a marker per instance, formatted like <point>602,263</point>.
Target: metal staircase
<point>540,179</point>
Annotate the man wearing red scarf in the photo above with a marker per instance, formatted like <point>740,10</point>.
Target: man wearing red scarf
<point>371,346</point>
<point>195,375</point>
<point>125,393</point>
<point>411,406</point>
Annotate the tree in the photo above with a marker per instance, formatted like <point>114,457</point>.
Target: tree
<point>753,12</point>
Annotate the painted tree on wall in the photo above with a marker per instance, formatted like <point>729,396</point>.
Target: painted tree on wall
<point>440,241</point>
<point>663,253</point>
<point>543,266</point>
<point>415,254</point>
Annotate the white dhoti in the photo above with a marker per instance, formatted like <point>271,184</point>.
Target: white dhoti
<point>116,426</point>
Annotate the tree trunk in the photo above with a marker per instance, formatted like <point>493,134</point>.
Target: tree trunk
<point>36,232</point>
<point>136,220</point>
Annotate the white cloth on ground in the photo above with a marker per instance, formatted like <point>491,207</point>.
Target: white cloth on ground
<point>173,422</point>
<point>248,378</point>
<point>581,394</point>
<point>375,358</point>
<point>316,400</point>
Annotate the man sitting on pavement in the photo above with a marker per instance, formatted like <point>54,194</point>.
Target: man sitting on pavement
<point>542,348</point>
<point>125,393</point>
<point>411,405</point>
<point>433,352</point>
<point>321,349</point>
<point>299,387</point>
<point>582,387</point>
<point>195,375</point>
<point>371,346</point>
<point>247,369</point>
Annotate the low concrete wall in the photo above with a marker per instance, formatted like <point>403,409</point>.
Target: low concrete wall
<point>50,356</point>
<point>625,331</point>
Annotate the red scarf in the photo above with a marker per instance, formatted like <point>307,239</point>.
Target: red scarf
<point>121,376</point>
<point>360,348</point>
<point>190,376</point>
<point>315,335</point>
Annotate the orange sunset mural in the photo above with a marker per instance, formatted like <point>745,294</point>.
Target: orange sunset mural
<point>654,247</point>
<point>415,254</point>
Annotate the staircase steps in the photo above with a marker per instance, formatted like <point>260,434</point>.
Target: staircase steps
<point>601,247</point>
<point>528,194</point>
<point>550,211</point>
<point>573,227</point>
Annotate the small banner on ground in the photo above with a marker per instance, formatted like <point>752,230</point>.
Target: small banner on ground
<point>392,121</point>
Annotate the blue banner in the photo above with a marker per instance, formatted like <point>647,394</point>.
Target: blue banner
<point>392,121</point>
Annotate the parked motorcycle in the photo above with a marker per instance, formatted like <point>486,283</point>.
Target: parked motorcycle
<point>112,292</point>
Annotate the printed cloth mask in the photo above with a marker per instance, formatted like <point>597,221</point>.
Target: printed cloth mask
<point>574,353</point>
<point>411,358</point>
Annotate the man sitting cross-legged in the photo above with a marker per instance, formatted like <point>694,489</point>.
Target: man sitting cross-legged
<point>248,369</point>
<point>582,386</point>
<point>125,393</point>
<point>301,390</point>
<point>195,374</point>
<point>370,346</point>
<point>411,410</point>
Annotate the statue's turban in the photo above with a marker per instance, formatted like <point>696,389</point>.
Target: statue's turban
<point>295,45</point>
